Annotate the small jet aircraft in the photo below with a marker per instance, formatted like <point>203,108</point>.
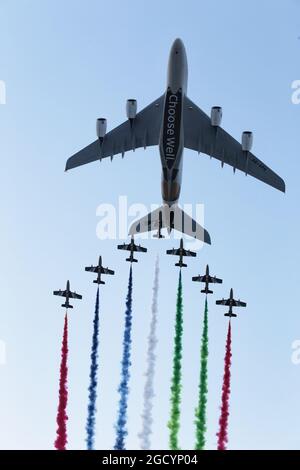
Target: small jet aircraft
<point>174,122</point>
<point>68,294</point>
<point>181,252</point>
<point>99,270</point>
<point>207,279</point>
<point>231,302</point>
<point>133,248</point>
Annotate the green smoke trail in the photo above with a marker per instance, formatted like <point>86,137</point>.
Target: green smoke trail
<point>200,413</point>
<point>174,422</point>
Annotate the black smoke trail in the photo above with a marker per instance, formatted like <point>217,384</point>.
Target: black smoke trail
<point>91,417</point>
<point>121,425</point>
<point>147,419</point>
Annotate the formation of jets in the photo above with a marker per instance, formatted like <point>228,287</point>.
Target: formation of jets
<point>174,122</point>
<point>133,248</point>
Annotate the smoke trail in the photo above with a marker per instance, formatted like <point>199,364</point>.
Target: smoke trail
<point>147,419</point>
<point>223,421</point>
<point>61,419</point>
<point>91,418</point>
<point>125,374</point>
<point>201,410</point>
<point>174,422</point>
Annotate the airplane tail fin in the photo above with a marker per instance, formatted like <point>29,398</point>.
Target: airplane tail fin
<point>98,282</point>
<point>171,218</point>
<point>132,260</point>
<point>207,291</point>
<point>67,305</point>
<point>230,314</point>
<point>181,265</point>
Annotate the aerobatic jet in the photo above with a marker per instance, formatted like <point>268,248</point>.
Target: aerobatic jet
<point>68,294</point>
<point>174,122</point>
<point>99,269</point>
<point>231,302</point>
<point>181,252</point>
<point>133,248</point>
<point>207,279</point>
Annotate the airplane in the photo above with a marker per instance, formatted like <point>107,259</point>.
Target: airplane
<point>231,302</point>
<point>99,270</point>
<point>181,252</point>
<point>207,279</point>
<point>174,122</point>
<point>68,294</point>
<point>132,247</point>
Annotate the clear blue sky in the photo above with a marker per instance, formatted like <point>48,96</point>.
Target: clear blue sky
<point>67,63</point>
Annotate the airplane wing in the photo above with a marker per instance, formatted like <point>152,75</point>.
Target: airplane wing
<point>173,252</point>
<point>107,271</point>
<point>239,303</point>
<point>61,293</point>
<point>215,280</point>
<point>199,278</point>
<point>123,247</point>
<point>201,136</point>
<point>189,253</point>
<point>144,133</point>
<point>73,295</point>
<point>92,269</point>
<point>141,249</point>
<point>223,302</point>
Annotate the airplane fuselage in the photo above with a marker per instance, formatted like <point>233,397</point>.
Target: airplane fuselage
<point>171,141</point>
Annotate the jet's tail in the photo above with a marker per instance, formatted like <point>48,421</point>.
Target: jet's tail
<point>67,305</point>
<point>181,265</point>
<point>230,314</point>
<point>207,291</point>
<point>171,218</point>
<point>98,282</point>
<point>132,260</point>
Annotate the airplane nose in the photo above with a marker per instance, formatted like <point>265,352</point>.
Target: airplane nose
<point>177,46</point>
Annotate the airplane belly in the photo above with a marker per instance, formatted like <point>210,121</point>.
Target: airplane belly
<point>171,136</point>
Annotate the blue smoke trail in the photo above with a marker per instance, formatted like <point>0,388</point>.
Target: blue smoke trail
<point>91,417</point>
<point>125,374</point>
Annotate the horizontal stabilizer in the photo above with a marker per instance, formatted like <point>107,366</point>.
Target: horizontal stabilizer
<point>207,291</point>
<point>67,305</point>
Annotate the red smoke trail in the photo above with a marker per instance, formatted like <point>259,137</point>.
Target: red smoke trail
<point>223,421</point>
<point>61,419</point>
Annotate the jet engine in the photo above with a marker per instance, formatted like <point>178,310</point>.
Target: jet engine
<point>247,141</point>
<point>101,126</point>
<point>131,109</point>
<point>216,116</point>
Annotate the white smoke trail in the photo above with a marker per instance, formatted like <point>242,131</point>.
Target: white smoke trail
<point>147,419</point>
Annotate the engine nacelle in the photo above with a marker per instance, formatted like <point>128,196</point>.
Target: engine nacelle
<point>101,126</point>
<point>131,109</point>
<point>216,116</point>
<point>247,141</point>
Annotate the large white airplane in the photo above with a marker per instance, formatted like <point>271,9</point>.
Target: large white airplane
<point>173,122</point>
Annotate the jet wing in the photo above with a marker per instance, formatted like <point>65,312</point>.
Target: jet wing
<point>124,247</point>
<point>173,252</point>
<point>73,295</point>
<point>223,302</point>
<point>107,271</point>
<point>144,133</point>
<point>92,269</point>
<point>140,249</point>
<point>189,253</point>
<point>201,136</point>
<point>215,280</point>
<point>61,293</point>
<point>239,303</point>
<point>199,278</point>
